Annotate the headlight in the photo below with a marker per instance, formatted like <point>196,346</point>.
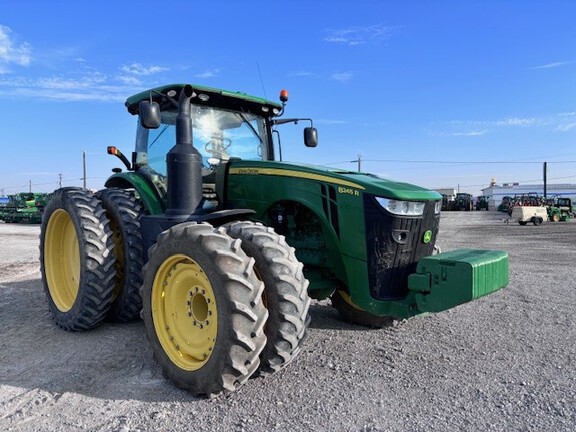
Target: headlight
<point>437,207</point>
<point>402,208</point>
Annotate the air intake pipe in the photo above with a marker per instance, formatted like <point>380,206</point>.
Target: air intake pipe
<point>184,164</point>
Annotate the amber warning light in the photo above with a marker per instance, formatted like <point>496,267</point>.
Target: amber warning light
<point>284,95</point>
<point>114,151</point>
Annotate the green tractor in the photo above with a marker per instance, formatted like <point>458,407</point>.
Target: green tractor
<point>559,209</point>
<point>464,201</point>
<point>482,202</point>
<point>219,246</point>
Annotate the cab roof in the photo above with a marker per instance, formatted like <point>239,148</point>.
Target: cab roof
<point>205,96</point>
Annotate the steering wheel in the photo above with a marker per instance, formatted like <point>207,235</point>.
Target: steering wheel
<point>217,145</point>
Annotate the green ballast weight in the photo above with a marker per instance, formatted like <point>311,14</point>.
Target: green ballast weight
<point>452,278</point>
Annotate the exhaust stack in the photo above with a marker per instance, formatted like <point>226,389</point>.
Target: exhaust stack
<point>184,164</point>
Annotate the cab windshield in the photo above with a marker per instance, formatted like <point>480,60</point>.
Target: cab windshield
<point>217,134</point>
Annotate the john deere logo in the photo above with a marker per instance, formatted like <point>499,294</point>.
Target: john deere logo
<point>427,237</point>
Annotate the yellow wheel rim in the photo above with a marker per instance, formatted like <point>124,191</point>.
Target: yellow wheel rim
<point>184,312</point>
<point>62,260</point>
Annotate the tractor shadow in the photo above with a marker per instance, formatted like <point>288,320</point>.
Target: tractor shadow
<point>112,361</point>
<point>325,317</point>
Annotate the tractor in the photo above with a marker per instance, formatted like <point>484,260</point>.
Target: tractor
<point>506,205</point>
<point>559,208</point>
<point>482,202</point>
<point>464,201</point>
<point>219,245</point>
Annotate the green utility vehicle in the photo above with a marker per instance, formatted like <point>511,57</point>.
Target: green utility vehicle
<point>234,242</point>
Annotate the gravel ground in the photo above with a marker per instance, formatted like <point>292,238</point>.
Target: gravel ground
<point>503,363</point>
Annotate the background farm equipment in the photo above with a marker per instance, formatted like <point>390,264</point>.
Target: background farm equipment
<point>464,201</point>
<point>506,205</point>
<point>448,203</point>
<point>524,214</point>
<point>559,209</point>
<point>24,208</point>
<point>482,202</point>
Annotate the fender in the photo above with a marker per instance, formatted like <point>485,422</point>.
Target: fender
<point>148,194</point>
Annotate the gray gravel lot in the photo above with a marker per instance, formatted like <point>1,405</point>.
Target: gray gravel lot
<point>503,363</point>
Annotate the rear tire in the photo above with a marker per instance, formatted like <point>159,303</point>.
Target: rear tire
<point>76,259</point>
<point>536,221</point>
<point>202,309</point>
<point>124,212</point>
<point>285,292</point>
<point>354,314</point>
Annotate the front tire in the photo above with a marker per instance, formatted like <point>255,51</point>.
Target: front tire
<point>355,315</point>
<point>76,259</point>
<point>285,292</point>
<point>202,309</point>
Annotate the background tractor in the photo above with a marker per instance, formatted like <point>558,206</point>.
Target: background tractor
<point>559,208</point>
<point>464,201</point>
<point>219,246</point>
<point>482,202</point>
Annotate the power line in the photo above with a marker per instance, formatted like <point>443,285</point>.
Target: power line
<point>448,162</point>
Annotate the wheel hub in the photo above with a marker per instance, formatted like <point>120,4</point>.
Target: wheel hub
<point>199,307</point>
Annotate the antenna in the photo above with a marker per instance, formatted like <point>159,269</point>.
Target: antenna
<point>261,80</point>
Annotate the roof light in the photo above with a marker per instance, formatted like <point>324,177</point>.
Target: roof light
<point>284,95</point>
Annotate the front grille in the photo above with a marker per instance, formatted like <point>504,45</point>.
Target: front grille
<point>394,246</point>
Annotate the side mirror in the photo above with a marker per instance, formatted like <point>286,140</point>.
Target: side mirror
<point>149,114</point>
<point>310,137</point>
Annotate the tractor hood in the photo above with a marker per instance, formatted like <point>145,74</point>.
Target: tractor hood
<point>351,180</point>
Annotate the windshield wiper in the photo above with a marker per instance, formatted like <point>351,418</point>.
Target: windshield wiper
<point>254,131</point>
<point>159,135</point>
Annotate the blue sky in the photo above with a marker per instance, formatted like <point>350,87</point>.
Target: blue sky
<point>436,93</point>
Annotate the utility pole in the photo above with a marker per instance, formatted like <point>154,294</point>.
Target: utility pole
<point>30,186</point>
<point>545,177</point>
<point>358,161</point>
<point>84,168</point>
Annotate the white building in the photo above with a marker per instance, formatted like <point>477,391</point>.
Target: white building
<point>496,192</point>
<point>450,192</point>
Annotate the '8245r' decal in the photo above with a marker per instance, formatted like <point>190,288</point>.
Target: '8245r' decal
<point>348,191</point>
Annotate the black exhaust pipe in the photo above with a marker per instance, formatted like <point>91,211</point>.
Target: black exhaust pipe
<point>184,164</point>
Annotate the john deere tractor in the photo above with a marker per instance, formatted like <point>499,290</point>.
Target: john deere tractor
<point>464,201</point>
<point>219,245</point>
